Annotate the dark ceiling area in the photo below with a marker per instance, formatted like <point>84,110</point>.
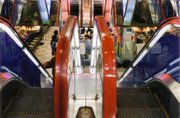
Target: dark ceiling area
<point>97,9</point>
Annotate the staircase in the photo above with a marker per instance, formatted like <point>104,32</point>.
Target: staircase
<point>138,103</point>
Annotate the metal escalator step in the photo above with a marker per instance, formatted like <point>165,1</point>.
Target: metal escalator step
<point>43,92</point>
<point>140,113</point>
<point>44,104</point>
<point>132,90</point>
<point>32,104</point>
<point>30,115</point>
<point>138,100</point>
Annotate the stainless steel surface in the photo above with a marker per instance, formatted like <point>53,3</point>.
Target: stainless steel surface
<point>171,84</point>
<point>85,90</point>
<point>4,79</point>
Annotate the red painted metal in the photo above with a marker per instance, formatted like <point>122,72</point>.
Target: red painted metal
<point>4,77</point>
<point>69,6</point>
<point>58,13</point>
<point>107,6</point>
<point>171,20</point>
<point>81,13</point>
<point>162,10</point>
<point>61,69</point>
<point>91,15</point>
<point>109,70</point>
<point>115,14</point>
<point>65,9</point>
<point>165,76</point>
<point>103,6</point>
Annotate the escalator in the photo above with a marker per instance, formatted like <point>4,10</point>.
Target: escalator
<point>139,102</point>
<point>150,87</point>
<point>74,92</point>
<point>27,102</point>
<point>32,102</point>
<point>96,91</point>
<point>16,57</point>
<point>159,98</point>
<point>20,100</point>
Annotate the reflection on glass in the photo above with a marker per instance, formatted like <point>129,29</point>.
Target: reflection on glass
<point>13,58</point>
<point>43,11</point>
<point>48,2</point>
<point>164,56</point>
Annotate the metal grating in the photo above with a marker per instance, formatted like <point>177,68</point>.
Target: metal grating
<point>140,113</point>
<point>137,101</point>
<point>131,90</point>
<point>30,115</point>
<point>37,92</point>
<point>32,103</point>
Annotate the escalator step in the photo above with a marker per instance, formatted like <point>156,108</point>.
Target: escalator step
<point>32,104</point>
<point>43,92</point>
<point>30,115</point>
<point>137,101</point>
<point>140,113</point>
<point>22,105</point>
<point>132,90</point>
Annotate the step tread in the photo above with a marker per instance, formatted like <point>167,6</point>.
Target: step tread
<point>26,92</point>
<point>138,100</point>
<point>132,90</point>
<point>30,115</point>
<point>140,113</point>
<point>32,104</point>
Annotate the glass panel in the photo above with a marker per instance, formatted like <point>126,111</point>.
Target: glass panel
<point>7,9</point>
<point>1,5</point>
<point>129,12</point>
<point>18,60</point>
<point>17,11</point>
<point>164,56</point>
<point>48,2</point>
<point>43,11</point>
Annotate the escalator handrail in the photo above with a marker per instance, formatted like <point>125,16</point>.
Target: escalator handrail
<point>169,82</point>
<point>61,69</point>
<point>109,69</point>
<point>5,22</point>
<point>172,20</point>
